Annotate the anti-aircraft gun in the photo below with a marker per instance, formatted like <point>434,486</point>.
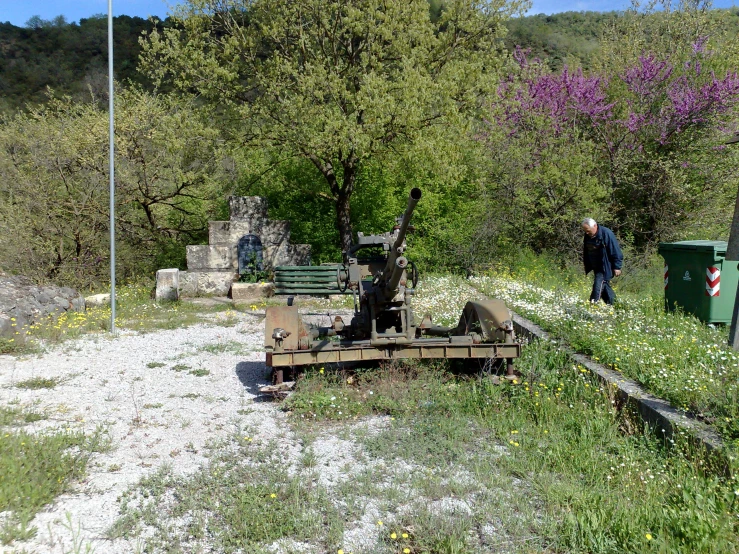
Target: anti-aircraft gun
<point>383,327</point>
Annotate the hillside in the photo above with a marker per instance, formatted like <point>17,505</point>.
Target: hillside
<point>557,37</point>
<point>68,57</point>
<point>71,57</point>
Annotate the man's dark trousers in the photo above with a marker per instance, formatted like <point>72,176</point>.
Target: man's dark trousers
<point>602,289</point>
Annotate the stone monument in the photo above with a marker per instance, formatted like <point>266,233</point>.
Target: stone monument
<point>212,267</point>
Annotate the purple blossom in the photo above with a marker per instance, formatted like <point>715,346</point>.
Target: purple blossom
<point>635,121</point>
<point>645,78</point>
<point>520,56</point>
<point>700,44</point>
<point>563,98</point>
<point>662,100</point>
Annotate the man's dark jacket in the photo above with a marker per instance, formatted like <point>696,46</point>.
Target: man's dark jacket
<point>612,256</point>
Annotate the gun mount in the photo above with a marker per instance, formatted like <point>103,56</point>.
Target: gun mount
<point>382,282</point>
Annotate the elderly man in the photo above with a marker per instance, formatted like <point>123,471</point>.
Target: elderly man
<point>602,255</point>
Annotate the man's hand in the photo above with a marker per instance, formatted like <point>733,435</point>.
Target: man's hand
<point>617,272</point>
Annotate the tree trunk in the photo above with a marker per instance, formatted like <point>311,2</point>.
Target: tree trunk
<point>342,194</point>
<point>343,209</point>
<point>343,220</point>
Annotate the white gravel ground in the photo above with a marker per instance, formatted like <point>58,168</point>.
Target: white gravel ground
<point>160,415</point>
<point>145,412</point>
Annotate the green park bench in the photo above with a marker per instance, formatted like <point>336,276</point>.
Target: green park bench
<point>317,280</point>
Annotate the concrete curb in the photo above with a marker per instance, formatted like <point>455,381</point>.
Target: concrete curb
<point>656,412</point>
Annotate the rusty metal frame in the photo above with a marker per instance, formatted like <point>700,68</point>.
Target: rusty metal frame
<point>327,353</point>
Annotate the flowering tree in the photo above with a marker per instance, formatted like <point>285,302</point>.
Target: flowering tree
<point>543,169</point>
<point>652,128</point>
<point>54,186</point>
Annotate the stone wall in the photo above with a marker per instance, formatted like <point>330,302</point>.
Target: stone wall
<point>23,303</point>
<point>212,267</point>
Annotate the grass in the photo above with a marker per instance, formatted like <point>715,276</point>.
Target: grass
<point>244,500</point>
<point>455,463</point>
<point>199,372</point>
<point>605,483</point>
<point>34,469</point>
<point>36,383</point>
<point>16,415</point>
<point>135,310</point>
<point>460,464</point>
<point>673,355</point>
<point>10,346</point>
<point>221,347</point>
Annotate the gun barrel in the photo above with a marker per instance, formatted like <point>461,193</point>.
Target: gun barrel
<point>397,248</point>
<point>413,199</point>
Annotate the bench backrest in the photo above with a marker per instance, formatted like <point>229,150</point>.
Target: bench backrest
<point>307,279</point>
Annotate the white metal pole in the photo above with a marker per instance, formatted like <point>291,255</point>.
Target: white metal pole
<point>112,167</point>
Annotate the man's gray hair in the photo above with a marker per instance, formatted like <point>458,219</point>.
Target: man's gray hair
<point>589,221</point>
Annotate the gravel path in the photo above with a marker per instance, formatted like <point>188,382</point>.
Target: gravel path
<point>160,398</point>
<point>152,415</point>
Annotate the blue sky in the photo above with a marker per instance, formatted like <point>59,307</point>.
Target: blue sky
<point>18,12</point>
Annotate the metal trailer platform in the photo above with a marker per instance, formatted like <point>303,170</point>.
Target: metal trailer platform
<point>329,352</point>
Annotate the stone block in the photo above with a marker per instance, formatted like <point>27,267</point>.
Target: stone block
<point>168,285</point>
<point>207,256</point>
<point>212,283</point>
<point>218,232</point>
<point>275,255</point>
<point>7,330</point>
<point>275,232</point>
<point>228,233</point>
<point>246,292</point>
<point>247,208</point>
<point>97,300</point>
<point>188,283</point>
<point>64,303</point>
<point>78,304</point>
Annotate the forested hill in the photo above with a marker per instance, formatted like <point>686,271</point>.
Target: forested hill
<point>68,57</point>
<point>574,37</point>
<point>559,37</point>
<point>72,57</point>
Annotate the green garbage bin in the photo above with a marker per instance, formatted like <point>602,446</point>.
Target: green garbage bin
<point>699,280</point>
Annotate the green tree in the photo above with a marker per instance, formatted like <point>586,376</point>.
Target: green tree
<point>334,83</point>
<point>54,186</point>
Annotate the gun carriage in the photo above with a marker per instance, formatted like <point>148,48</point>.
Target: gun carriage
<point>383,326</point>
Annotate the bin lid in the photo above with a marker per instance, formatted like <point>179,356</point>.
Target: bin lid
<point>716,246</point>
